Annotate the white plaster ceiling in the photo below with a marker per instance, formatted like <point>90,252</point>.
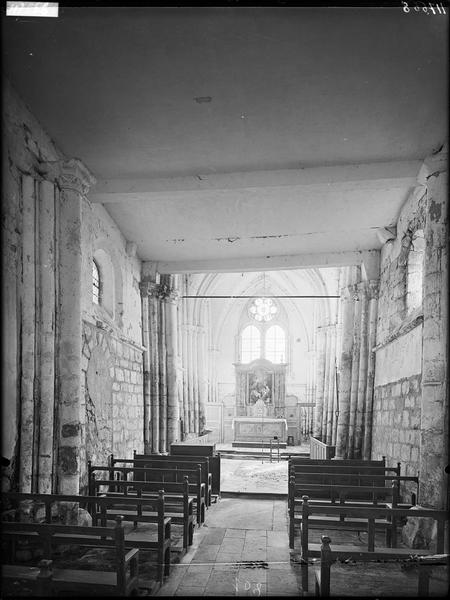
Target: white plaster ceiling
<point>293,92</point>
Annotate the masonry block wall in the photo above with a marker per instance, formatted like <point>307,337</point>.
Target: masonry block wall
<point>112,353</point>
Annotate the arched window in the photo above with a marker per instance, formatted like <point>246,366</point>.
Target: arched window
<point>96,283</point>
<point>250,344</point>
<point>415,272</point>
<point>275,344</point>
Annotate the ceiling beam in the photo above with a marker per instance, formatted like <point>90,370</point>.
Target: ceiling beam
<point>374,175</point>
<point>369,258</point>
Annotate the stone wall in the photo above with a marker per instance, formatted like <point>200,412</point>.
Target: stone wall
<point>112,397</point>
<point>398,366</point>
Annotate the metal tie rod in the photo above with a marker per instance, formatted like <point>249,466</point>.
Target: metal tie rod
<point>259,296</point>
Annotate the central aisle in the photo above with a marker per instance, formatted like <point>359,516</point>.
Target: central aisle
<point>242,550</point>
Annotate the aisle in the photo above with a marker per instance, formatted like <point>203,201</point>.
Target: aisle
<point>242,550</point>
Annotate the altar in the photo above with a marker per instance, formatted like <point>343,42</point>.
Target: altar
<point>256,429</point>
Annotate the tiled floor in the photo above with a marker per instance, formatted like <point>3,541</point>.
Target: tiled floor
<point>248,557</point>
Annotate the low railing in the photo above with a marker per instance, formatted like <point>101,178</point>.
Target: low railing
<point>318,449</point>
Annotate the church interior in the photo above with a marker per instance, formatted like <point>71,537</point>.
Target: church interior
<point>224,256</point>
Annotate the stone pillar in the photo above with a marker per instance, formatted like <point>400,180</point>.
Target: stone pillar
<point>47,294</point>
<point>354,376</point>
<point>162,377</point>
<point>434,417</point>
<point>185,363</point>
<point>320,380</point>
<point>147,288</point>
<point>331,405</point>
<point>153,302</point>
<point>362,372</point>
<point>173,410</point>
<point>372,331</point>
<point>345,371</point>
<point>195,378</point>
<point>73,180</point>
<point>28,333</point>
<point>202,380</point>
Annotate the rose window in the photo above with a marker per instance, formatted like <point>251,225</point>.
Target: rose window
<point>263,309</point>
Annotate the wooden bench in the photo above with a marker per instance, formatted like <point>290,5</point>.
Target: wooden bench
<point>185,450</point>
<point>123,581</point>
<point>158,461</point>
<point>340,461</point>
<point>162,475</point>
<point>139,506</point>
<point>340,518</point>
<point>424,564</point>
<point>100,507</point>
<point>313,514</point>
<point>321,477</point>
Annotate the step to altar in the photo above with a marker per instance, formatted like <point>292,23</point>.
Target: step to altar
<point>260,444</point>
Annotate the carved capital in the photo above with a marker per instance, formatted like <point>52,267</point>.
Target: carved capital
<point>70,175</point>
<point>373,289</point>
<point>149,288</point>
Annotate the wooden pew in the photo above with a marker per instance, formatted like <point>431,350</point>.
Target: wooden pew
<point>98,507</point>
<point>181,460</point>
<point>162,475</point>
<point>123,581</point>
<point>138,506</point>
<point>341,519</point>
<point>329,477</point>
<point>425,566</point>
<point>298,460</point>
<point>158,461</point>
<point>185,449</point>
<point>311,514</point>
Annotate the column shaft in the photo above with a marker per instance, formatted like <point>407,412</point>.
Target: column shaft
<point>354,378</point>
<point>47,291</point>
<point>373,311</point>
<point>162,378</point>
<point>28,333</point>
<point>320,380</point>
<point>362,373</point>
<point>434,415</point>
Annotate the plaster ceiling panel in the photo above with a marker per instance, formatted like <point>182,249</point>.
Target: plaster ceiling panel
<point>219,223</point>
<point>288,87</point>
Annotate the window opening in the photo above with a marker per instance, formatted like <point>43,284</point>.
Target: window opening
<point>96,283</point>
<point>250,344</point>
<point>275,344</point>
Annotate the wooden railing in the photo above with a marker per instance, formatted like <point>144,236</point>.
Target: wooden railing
<point>318,449</point>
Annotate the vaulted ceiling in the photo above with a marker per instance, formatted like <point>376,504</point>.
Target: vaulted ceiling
<point>222,136</point>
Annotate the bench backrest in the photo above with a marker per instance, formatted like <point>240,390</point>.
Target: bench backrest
<point>337,461</point>
<point>52,534</point>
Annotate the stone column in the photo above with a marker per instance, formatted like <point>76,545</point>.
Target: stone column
<point>362,372</point>
<point>73,180</point>
<point>185,358</point>
<point>331,405</point>
<point>203,383</point>
<point>195,378</point>
<point>47,294</point>
<point>434,417</point>
<point>345,371</point>
<point>147,289</point>
<point>320,380</point>
<point>153,302</point>
<point>28,334</point>
<point>372,332</point>
<point>162,377</point>
<point>354,376</point>
<point>173,410</point>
